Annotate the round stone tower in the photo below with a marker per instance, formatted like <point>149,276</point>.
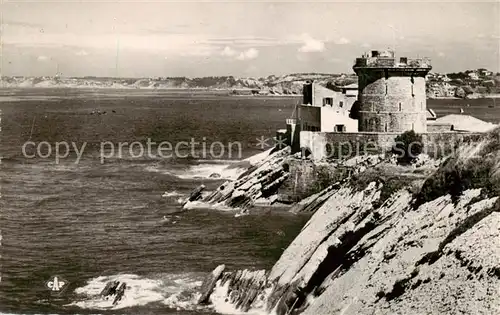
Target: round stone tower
<point>391,94</point>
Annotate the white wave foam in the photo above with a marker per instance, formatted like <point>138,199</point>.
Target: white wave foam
<point>204,205</point>
<point>215,169</point>
<point>203,171</point>
<point>221,304</point>
<point>174,193</point>
<point>174,291</point>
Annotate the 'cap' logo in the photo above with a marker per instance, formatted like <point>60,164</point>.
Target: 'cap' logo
<point>56,284</point>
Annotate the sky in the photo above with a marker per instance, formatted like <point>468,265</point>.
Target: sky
<point>240,38</point>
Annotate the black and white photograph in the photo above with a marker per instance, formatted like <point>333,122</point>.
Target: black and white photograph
<point>249,157</point>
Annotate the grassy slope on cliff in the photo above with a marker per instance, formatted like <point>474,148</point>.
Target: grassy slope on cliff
<point>475,165</point>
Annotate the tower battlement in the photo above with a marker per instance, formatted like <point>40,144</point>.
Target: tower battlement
<point>386,59</point>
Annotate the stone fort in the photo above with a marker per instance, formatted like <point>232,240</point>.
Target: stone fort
<point>391,94</point>
<point>389,99</point>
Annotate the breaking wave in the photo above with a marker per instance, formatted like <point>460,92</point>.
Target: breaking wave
<point>221,304</point>
<point>203,171</point>
<point>179,197</point>
<point>206,205</point>
<point>171,194</point>
<point>214,169</point>
<point>176,291</point>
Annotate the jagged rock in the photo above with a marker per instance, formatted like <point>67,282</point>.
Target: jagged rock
<point>110,288</point>
<point>119,293</point>
<point>209,284</point>
<point>260,181</point>
<point>245,287</point>
<point>114,289</point>
<point>196,194</point>
<point>314,202</point>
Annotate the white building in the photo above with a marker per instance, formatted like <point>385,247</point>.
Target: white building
<point>326,110</point>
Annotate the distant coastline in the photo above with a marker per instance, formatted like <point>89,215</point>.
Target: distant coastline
<point>472,84</point>
<point>493,95</point>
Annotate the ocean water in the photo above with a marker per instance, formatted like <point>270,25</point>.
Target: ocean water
<point>96,221</point>
<point>102,219</point>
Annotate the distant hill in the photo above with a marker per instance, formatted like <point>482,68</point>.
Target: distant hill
<point>471,83</point>
<point>290,84</point>
<point>468,84</point>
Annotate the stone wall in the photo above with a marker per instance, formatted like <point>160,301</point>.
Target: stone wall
<point>392,121</point>
<point>307,177</point>
<point>300,178</point>
<point>323,145</point>
<point>438,127</point>
<point>392,100</point>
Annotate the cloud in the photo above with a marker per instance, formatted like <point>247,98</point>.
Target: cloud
<point>366,45</point>
<point>311,45</point>
<point>245,41</point>
<point>81,53</point>
<point>441,54</point>
<point>228,52</point>
<point>42,58</point>
<point>168,45</point>
<point>342,41</point>
<point>249,54</point>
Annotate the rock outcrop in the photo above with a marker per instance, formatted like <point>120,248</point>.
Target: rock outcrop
<point>209,284</point>
<point>367,250</point>
<point>259,181</point>
<point>114,290</point>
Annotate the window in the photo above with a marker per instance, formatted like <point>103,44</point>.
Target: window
<point>327,101</point>
<point>341,104</point>
<point>340,128</point>
<point>399,106</point>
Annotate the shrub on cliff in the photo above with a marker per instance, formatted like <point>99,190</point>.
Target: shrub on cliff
<point>476,164</point>
<point>408,146</point>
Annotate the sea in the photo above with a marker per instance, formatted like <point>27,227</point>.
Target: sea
<point>87,197</point>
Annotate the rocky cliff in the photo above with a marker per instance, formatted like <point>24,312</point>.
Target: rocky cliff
<point>378,245</point>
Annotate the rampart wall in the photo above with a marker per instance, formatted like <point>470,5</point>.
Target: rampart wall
<point>334,145</point>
